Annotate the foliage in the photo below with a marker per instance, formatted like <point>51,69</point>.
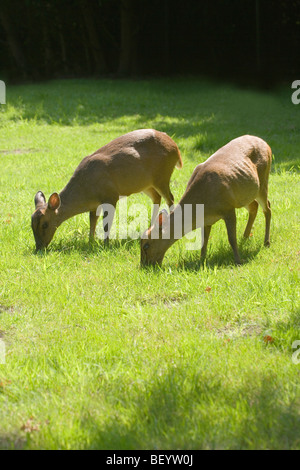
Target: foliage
<point>250,40</point>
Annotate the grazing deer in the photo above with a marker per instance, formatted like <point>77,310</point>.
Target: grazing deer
<point>142,160</point>
<point>235,176</point>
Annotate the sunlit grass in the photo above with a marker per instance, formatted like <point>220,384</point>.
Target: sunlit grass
<point>102,354</point>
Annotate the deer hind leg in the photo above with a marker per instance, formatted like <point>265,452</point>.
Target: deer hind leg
<point>266,207</point>
<point>156,199</point>
<point>207,229</point>
<point>165,192</point>
<point>230,221</point>
<point>252,209</point>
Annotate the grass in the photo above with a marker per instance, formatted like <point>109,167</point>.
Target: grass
<point>103,355</point>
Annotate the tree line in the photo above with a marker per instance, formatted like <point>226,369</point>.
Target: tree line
<point>247,39</point>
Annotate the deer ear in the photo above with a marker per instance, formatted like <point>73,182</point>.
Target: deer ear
<point>54,202</point>
<point>162,217</point>
<point>39,199</point>
<point>161,220</point>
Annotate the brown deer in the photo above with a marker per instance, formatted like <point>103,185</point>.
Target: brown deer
<point>235,176</point>
<point>142,160</point>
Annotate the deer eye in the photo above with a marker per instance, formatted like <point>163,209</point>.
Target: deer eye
<point>146,246</point>
<point>45,225</point>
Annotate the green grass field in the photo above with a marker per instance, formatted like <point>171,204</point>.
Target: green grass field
<point>101,354</point>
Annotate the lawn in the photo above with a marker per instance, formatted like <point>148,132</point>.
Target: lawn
<point>101,354</point>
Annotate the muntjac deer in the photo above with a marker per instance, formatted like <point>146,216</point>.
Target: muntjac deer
<point>142,160</point>
<point>235,176</point>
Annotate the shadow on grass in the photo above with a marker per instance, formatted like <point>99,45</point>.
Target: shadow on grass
<point>211,113</point>
<point>222,257</point>
<point>85,247</point>
<point>12,442</point>
<point>287,334</point>
<point>176,410</point>
<point>200,412</point>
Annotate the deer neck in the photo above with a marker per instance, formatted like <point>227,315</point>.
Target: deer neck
<point>70,204</point>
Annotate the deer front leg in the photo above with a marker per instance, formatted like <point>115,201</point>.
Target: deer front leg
<point>108,217</point>
<point>94,216</point>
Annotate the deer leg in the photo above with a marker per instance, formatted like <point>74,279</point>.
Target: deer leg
<point>156,199</point>
<point>207,229</point>
<point>165,192</point>
<point>267,213</point>
<point>93,222</point>
<point>266,207</point>
<point>108,217</point>
<point>252,209</point>
<point>263,201</point>
<point>230,221</point>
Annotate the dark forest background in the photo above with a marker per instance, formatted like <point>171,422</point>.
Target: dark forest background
<point>246,40</point>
